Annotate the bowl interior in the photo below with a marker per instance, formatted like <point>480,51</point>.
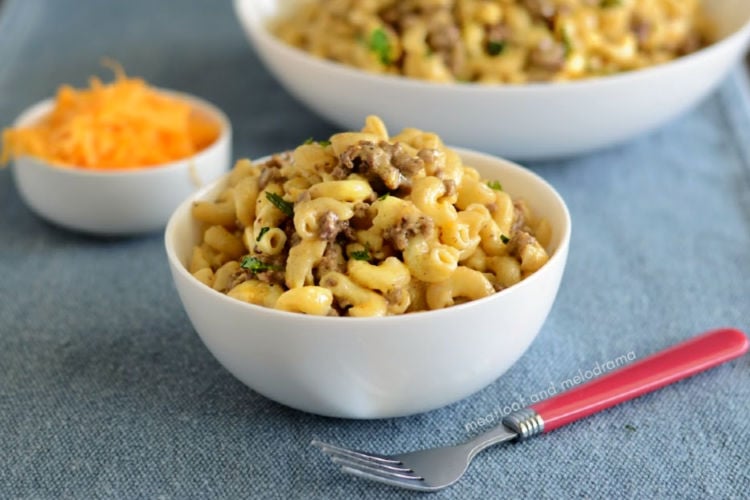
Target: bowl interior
<point>728,16</point>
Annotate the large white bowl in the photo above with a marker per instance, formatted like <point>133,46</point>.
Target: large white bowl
<point>118,202</point>
<point>376,367</point>
<point>532,121</point>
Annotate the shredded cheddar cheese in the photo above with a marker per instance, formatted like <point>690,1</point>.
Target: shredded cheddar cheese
<point>120,125</point>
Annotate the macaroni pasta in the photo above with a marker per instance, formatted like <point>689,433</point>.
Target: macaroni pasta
<point>496,41</point>
<point>365,225</point>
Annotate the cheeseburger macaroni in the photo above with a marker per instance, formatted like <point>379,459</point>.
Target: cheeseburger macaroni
<point>365,224</point>
<point>496,41</point>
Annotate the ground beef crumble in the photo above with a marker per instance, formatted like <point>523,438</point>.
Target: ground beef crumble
<point>387,166</point>
<point>332,260</point>
<point>406,228</point>
<point>329,226</point>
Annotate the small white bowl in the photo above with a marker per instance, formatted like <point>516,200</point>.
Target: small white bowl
<point>531,121</point>
<point>376,367</point>
<point>118,202</point>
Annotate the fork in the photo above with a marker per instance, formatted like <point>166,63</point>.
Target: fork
<point>437,468</point>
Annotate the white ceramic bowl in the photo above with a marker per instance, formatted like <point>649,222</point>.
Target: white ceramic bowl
<point>118,202</point>
<point>376,367</point>
<point>532,121</point>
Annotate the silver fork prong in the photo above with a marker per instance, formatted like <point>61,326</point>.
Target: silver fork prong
<point>352,453</point>
<point>376,469</point>
<point>357,458</point>
<point>411,484</point>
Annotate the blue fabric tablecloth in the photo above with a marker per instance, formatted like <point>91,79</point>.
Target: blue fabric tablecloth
<point>106,390</point>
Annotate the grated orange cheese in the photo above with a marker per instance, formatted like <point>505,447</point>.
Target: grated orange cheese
<point>120,125</point>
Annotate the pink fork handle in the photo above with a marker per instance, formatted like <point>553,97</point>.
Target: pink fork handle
<point>663,368</point>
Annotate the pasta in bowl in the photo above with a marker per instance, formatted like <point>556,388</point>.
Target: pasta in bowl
<point>365,224</point>
<point>355,367</point>
<point>511,99</point>
<point>511,42</point>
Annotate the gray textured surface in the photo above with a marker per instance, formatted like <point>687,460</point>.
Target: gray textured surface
<point>106,391</point>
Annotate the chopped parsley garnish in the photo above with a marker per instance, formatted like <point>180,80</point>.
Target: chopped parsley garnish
<point>255,265</point>
<point>495,47</point>
<point>281,203</point>
<point>567,43</point>
<point>323,143</point>
<point>606,4</point>
<point>262,231</point>
<point>495,185</point>
<point>384,196</point>
<point>380,45</point>
<point>504,239</point>
<point>361,255</point>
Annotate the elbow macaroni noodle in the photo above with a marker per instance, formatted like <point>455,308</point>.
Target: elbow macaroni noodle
<point>496,41</point>
<point>365,225</point>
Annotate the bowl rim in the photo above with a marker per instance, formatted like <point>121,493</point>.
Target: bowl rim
<point>258,27</point>
<point>560,253</point>
<point>41,108</point>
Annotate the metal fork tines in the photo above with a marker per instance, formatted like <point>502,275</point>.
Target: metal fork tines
<point>386,469</point>
<point>424,470</point>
